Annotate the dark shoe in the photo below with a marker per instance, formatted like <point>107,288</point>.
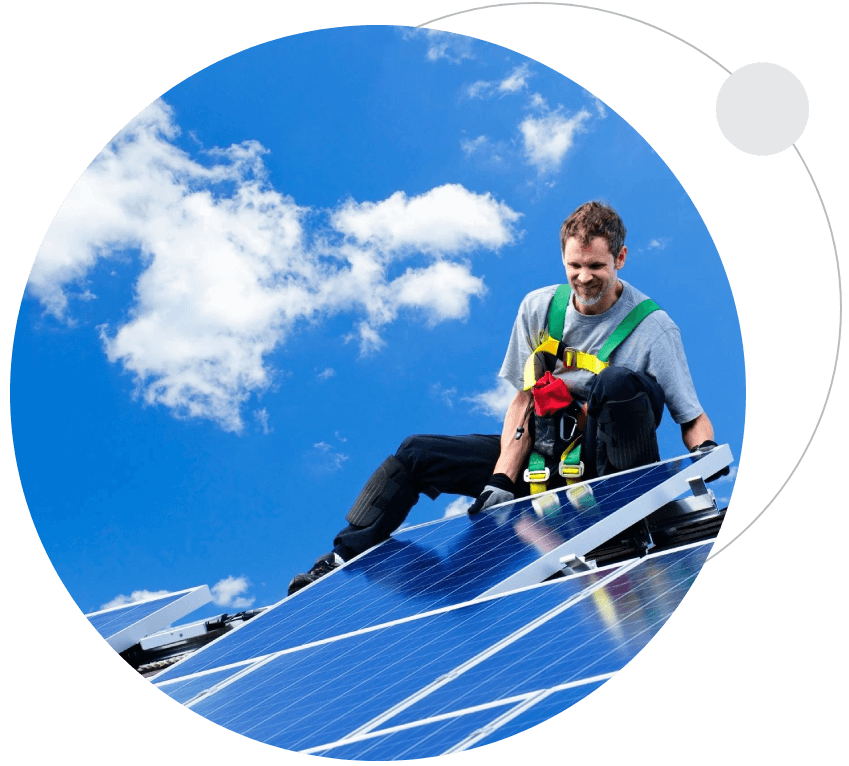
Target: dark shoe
<point>323,565</point>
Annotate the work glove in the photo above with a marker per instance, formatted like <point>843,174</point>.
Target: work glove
<point>707,446</point>
<point>499,489</point>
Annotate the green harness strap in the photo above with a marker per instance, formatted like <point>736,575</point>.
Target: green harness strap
<point>556,323</point>
<point>557,320</point>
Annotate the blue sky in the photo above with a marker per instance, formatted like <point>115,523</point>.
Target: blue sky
<point>295,259</point>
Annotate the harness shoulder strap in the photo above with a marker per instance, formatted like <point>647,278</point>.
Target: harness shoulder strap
<point>557,312</point>
<point>626,327</point>
<point>553,346</point>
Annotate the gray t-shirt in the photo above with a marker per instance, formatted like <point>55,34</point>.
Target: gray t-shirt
<point>654,348</point>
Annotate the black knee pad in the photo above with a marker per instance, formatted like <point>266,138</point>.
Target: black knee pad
<point>627,430</point>
<point>388,491</point>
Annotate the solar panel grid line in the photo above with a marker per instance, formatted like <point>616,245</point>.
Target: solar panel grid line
<point>516,703</point>
<point>416,724</point>
<point>629,514</point>
<point>200,673</point>
<point>387,648</point>
<point>497,723</point>
<point>377,605</point>
<point>236,628</point>
<point>531,699</point>
<point>517,656</point>
<point>260,662</point>
<point>255,663</point>
<point>488,652</point>
<point>354,601</point>
<point>401,661</point>
<point>300,704</point>
<point>272,707</point>
<point>643,607</point>
<point>249,668</point>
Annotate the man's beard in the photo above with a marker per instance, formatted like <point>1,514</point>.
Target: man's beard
<point>604,290</point>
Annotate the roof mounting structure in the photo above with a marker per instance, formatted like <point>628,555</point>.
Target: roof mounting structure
<point>459,632</point>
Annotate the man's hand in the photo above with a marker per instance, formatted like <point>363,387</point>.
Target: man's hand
<point>707,446</point>
<point>499,489</point>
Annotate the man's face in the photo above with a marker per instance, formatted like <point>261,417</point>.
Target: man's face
<point>592,273</point>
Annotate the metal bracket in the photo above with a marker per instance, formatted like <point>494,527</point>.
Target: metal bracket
<point>703,498</point>
<point>576,563</point>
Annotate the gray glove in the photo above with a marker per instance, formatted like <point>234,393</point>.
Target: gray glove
<point>499,489</point>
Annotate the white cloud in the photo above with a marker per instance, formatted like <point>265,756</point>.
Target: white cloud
<point>495,401</point>
<point>228,593</point>
<point>537,101</point>
<point>370,341</point>
<point>229,265</point>
<point>547,139</point>
<point>441,45</point>
<point>440,291</point>
<point>480,89</point>
<point>659,243</point>
<point>516,80</point>
<point>457,507</point>
<point>446,394</point>
<point>326,373</point>
<point>262,419</point>
<point>136,595</point>
<point>472,145</point>
<point>600,109</point>
<point>328,459</point>
<point>448,219</point>
<point>730,478</point>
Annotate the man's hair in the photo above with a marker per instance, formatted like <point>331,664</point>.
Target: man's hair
<point>594,219</point>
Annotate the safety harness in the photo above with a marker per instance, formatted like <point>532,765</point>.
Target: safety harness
<point>547,389</point>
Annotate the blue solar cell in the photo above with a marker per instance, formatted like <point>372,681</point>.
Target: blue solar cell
<point>424,741</point>
<point>428,567</point>
<point>111,622</point>
<point>596,636</point>
<point>546,708</point>
<point>437,736</point>
<point>317,695</point>
<point>185,689</point>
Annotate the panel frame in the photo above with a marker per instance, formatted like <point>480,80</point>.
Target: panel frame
<point>193,598</point>
<point>618,521</point>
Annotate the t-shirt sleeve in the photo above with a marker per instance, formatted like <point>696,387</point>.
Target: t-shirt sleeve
<point>668,366</point>
<point>512,368</point>
<point>521,344</point>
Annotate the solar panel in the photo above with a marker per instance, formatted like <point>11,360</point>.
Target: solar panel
<point>124,626</point>
<point>456,677</point>
<point>465,728</point>
<point>451,561</point>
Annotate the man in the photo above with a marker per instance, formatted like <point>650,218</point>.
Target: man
<point>618,403</point>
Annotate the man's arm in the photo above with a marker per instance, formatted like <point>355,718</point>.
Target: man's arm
<point>511,461</point>
<point>514,452</point>
<point>696,431</point>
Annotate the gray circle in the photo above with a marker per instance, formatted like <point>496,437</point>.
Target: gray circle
<point>762,109</point>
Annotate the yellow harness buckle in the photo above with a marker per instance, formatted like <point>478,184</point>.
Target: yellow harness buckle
<point>537,477</point>
<point>571,471</point>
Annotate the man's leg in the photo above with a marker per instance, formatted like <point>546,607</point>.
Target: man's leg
<point>457,465</point>
<point>623,412</point>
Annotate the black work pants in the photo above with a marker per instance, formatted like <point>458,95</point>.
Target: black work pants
<point>462,465</point>
<point>455,465</point>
